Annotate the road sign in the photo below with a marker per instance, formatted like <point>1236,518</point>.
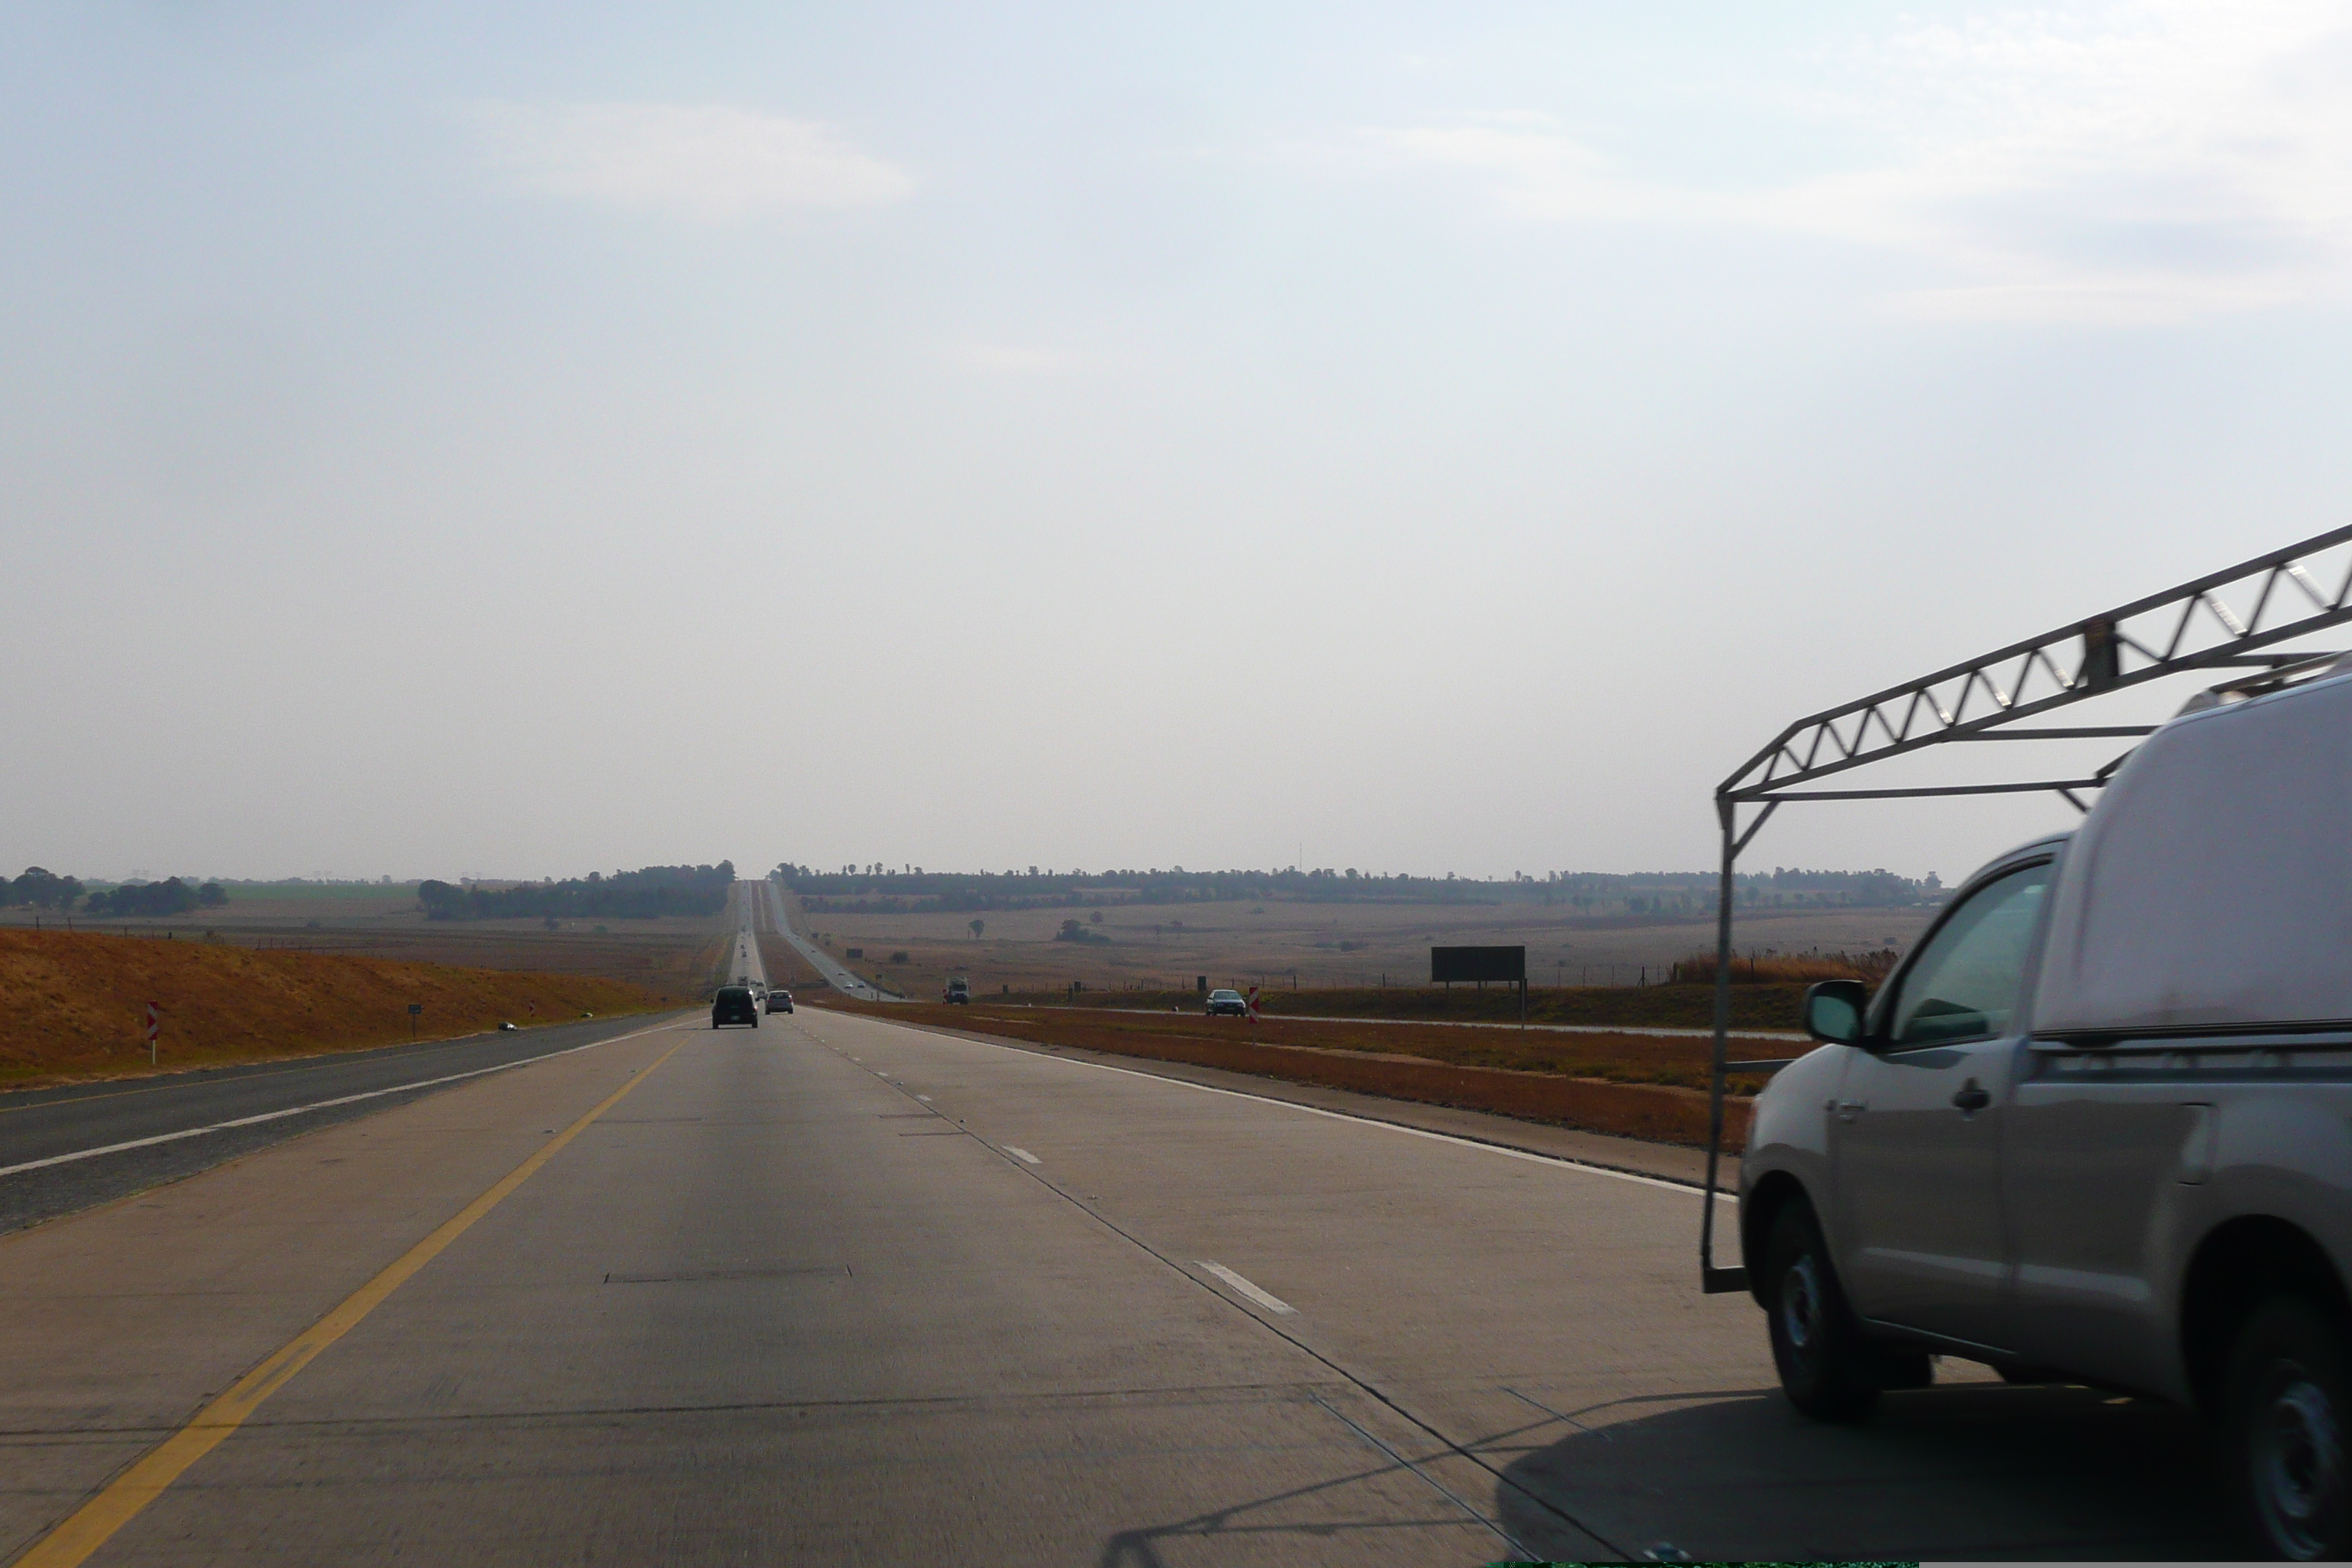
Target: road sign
<point>1447,964</point>
<point>154,1028</point>
<point>1249,1004</point>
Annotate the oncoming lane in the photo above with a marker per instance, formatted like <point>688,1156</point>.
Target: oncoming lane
<point>67,1149</point>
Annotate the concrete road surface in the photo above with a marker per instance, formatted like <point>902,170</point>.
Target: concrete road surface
<point>840,1290</point>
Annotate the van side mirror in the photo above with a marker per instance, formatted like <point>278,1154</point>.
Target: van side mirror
<point>1833,1010</point>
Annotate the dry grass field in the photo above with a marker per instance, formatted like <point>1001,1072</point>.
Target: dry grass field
<point>1635,1086</point>
<point>673,957</point>
<point>1282,945</point>
<point>72,1004</point>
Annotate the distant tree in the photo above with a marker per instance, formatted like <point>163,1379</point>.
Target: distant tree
<point>977,927</point>
<point>1095,916</point>
<point>168,897</point>
<point>211,896</point>
<point>45,889</point>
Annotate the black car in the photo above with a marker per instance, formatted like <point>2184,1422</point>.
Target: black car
<point>780,1001</point>
<point>734,1005</point>
<point>1232,1003</point>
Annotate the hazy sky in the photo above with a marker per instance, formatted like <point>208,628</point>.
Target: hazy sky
<point>508,440</point>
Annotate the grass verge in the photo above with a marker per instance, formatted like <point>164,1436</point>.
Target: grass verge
<point>1767,1006</point>
<point>73,1005</point>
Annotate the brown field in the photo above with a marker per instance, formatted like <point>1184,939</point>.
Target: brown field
<point>72,1003</point>
<point>673,957</point>
<point>1635,1086</point>
<point>1282,945</point>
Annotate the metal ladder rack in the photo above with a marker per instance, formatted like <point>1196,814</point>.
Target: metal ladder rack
<point>2230,619</point>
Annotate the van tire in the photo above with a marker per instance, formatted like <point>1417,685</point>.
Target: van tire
<point>1828,1369</point>
<point>2287,1430</point>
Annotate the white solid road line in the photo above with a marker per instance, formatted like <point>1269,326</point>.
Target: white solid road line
<point>315,1105</point>
<point>1270,1302</point>
<point>1022,1154</point>
<point>1554,1160</point>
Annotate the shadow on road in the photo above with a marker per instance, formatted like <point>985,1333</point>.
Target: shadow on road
<point>1968,1470</point>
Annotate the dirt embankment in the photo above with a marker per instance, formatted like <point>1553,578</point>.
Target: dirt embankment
<point>73,1005</point>
<point>1635,1086</point>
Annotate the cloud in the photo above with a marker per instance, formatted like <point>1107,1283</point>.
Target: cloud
<point>713,163</point>
<point>2145,160</point>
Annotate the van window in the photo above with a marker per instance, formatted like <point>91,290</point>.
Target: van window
<point>1964,985</point>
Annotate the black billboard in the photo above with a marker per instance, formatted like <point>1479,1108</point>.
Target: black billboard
<point>1448,963</point>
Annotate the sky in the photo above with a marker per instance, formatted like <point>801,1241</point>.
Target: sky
<point>512,440</point>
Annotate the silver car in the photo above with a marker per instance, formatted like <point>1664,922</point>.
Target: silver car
<point>2098,1127</point>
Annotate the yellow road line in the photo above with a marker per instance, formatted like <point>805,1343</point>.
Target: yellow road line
<point>91,1525</point>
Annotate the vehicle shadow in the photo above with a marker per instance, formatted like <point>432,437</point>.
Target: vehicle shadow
<point>1976,1470</point>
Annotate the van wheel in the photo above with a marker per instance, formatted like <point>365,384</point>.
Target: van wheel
<point>2287,1401</point>
<point>1827,1368</point>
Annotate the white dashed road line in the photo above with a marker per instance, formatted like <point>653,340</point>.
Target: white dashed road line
<point>1270,1302</point>
<point>1021,1154</point>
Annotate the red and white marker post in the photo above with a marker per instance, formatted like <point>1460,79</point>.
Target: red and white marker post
<point>155,1027</point>
<point>1249,1004</point>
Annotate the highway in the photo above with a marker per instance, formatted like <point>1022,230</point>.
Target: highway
<point>839,978</point>
<point>843,1290</point>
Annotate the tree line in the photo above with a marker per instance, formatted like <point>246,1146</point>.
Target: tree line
<point>642,894</point>
<point>879,889</point>
<point>44,890</point>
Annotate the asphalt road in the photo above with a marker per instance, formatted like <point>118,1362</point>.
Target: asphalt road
<point>843,1290</point>
<point>67,1149</point>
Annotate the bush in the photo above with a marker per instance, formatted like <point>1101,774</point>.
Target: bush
<point>1785,968</point>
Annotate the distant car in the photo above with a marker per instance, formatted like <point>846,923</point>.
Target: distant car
<point>959,989</point>
<point>504,1027</point>
<point>780,1001</point>
<point>1230,1002</point>
<point>734,1005</point>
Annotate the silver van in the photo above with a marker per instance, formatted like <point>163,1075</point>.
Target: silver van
<point>2098,1127</point>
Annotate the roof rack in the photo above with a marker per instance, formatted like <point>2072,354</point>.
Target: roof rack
<point>2233,619</point>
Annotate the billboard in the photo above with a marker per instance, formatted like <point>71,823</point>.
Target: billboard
<point>1449,964</point>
